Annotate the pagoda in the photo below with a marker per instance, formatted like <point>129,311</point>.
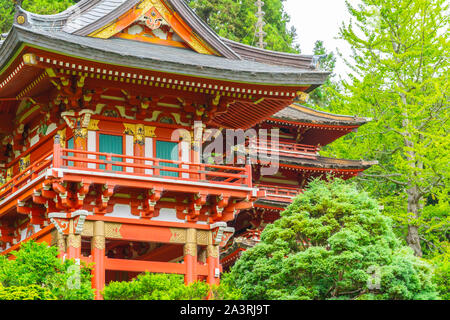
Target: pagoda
<point>101,105</point>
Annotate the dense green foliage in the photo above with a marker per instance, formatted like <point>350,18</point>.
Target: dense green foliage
<point>31,292</point>
<point>236,20</point>
<point>35,6</point>
<point>400,79</point>
<point>37,272</point>
<point>332,242</point>
<point>150,286</point>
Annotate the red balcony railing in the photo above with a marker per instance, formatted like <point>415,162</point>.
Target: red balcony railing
<point>161,168</point>
<point>28,174</point>
<point>278,193</point>
<point>285,149</point>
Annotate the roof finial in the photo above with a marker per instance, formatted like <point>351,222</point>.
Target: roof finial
<point>260,24</point>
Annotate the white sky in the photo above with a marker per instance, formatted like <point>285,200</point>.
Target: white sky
<point>320,20</point>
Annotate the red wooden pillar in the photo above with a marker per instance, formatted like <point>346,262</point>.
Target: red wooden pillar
<point>190,257</point>
<point>80,143</point>
<point>73,243</point>
<point>98,257</point>
<point>212,259</point>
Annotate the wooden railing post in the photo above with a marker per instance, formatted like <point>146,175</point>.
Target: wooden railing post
<point>109,162</point>
<point>248,172</point>
<point>156,171</point>
<point>57,160</point>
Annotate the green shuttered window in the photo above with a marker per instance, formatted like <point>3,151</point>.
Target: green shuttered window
<point>110,144</point>
<point>168,151</point>
<point>70,145</point>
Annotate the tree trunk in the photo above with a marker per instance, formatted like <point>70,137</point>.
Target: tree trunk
<point>412,238</point>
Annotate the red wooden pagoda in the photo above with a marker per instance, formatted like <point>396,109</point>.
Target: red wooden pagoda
<point>90,100</point>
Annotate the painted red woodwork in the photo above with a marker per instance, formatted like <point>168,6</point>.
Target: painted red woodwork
<point>98,279</point>
<point>191,272</point>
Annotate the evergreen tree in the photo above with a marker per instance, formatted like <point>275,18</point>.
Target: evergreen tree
<point>332,242</point>
<point>236,20</point>
<point>400,78</point>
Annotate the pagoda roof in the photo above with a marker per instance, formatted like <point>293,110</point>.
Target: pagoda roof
<point>88,16</point>
<point>156,57</point>
<point>325,163</point>
<point>301,114</point>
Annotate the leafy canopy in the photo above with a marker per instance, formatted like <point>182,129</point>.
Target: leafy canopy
<point>38,273</point>
<point>236,20</point>
<point>332,242</point>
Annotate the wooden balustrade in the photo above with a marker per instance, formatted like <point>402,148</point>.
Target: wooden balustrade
<point>285,148</point>
<point>28,174</point>
<point>167,169</point>
<point>285,194</point>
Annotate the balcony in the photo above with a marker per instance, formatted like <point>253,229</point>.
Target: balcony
<point>127,173</point>
<point>279,194</point>
<point>284,149</point>
<point>98,164</point>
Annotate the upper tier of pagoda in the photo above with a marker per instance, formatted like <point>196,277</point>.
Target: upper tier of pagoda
<point>144,47</point>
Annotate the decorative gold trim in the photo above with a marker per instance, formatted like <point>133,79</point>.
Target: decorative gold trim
<point>202,237</point>
<point>178,235</point>
<point>212,251</point>
<point>98,242</point>
<point>24,162</point>
<point>21,19</point>
<point>112,230</point>
<point>93,125</point>
<point>74,241</point>
<point>130,129</point>
<point>190,249</point>
<point>150,131</point>
<point>88,229</point>
<point>191,236</point>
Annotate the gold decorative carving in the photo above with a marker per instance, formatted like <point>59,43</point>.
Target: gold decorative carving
<point>302,96</point>
<point>21,19</point>
<point>130,129</point>
<point>98,242</point>
<point>150,132</point>
<point>112,230</point>
<point>212,251</point>
<point>62,137</point>
<point>9,173</point>
<point>93,125</point>
<point>61,242</point>
<point>191,235</point>
<point>80,133</point>
<point>24,163</point>
<point>190,249</point>
<point>74,241</point>
<point>202,237</point>
<point>88,229</point>
<point>178,235</point>
<point>139,135</point>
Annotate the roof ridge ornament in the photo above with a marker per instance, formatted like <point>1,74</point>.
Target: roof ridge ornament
<point>20,17</point>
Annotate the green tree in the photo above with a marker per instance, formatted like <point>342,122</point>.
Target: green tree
<point>151,286</point>
<point>35,6</point>
<point>236,20</point>
<point>400,78</point>
<point>37,265</point>
<point>332,242</point>
<point>324,97</point>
